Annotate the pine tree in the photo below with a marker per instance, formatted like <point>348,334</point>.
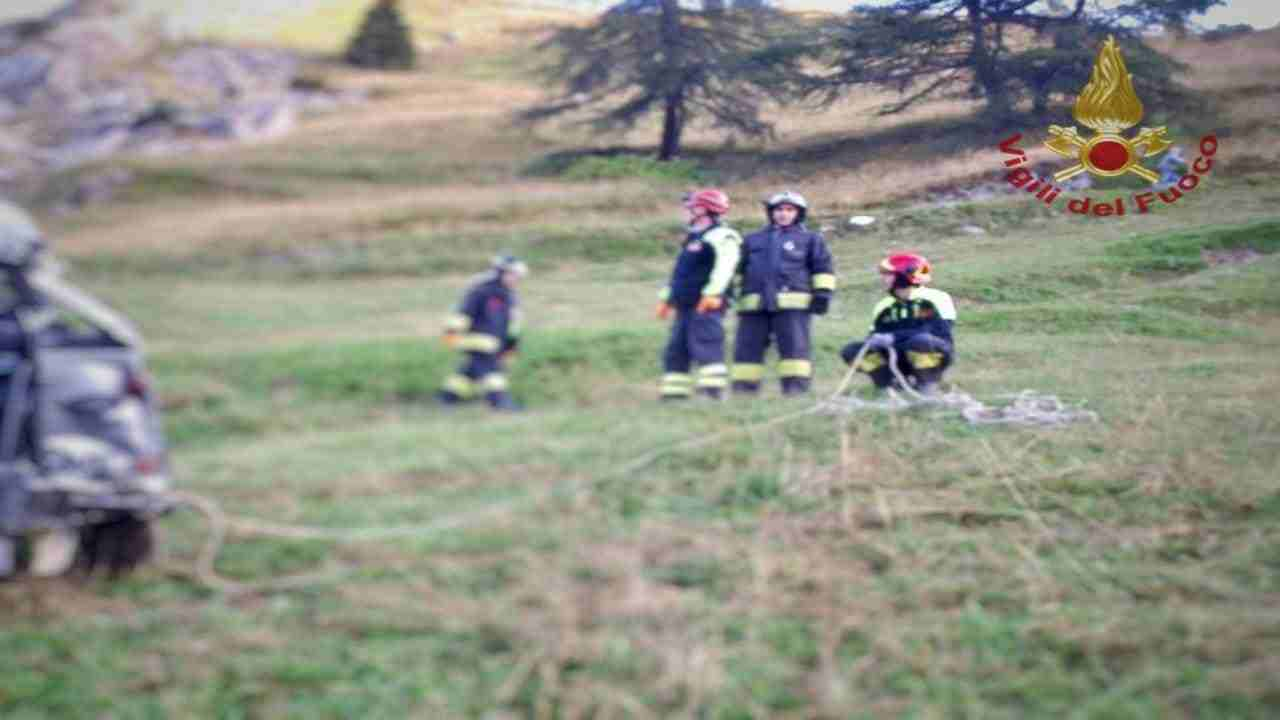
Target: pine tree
<point>718,66</point>
<point>1003,51</point>
<point>383,40</point>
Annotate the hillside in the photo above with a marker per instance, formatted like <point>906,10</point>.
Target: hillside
<point>576,560</point>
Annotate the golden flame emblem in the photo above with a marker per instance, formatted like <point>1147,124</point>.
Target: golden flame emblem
<point>1108,105</point>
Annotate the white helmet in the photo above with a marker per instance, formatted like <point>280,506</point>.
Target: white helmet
<point>509,263</point>
<point>787,197</point>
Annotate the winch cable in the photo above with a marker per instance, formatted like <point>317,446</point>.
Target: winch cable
<point>1028,408</point>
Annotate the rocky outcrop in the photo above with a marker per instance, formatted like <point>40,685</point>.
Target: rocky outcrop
<point>80,85</point>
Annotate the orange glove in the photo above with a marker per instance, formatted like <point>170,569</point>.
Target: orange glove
<point>451,340</point>
<point>663,312</point>
<point>508,356</point>
<point>710,303</point>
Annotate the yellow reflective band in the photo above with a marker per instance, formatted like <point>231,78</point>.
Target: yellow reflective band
<point>458,323</point>
<point>717,369</point>
<point>676,392</point>
<point>477,342</point>
<point>747,372</point>
<point>794,300</point>
<point>749,303</point>
<point>824,281</point>
<point>677,379</point>
<point>795,368</point>
<point>713,382</point>
<point>495,382</point>
<point>871,361</point>
<point>459,385</point>
<point>924,360</point>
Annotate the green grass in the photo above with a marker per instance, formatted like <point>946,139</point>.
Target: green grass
<point>1183,252</point>
<point>875,565</point>
<point>1110,571</point>
<point>625,166</point>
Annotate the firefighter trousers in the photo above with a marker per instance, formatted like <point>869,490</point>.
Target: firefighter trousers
<point>790,329</point>
<point>480,374</point>
<point>923,356</point>
<point>695,338</point>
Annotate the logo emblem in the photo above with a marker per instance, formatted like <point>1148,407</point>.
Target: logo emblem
<point>1109,106</point>
<point>789,246</point>
<point>695,246</point>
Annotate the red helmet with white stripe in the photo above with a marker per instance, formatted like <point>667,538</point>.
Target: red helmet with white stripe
<point>907,268</point>
<point>712,200</point>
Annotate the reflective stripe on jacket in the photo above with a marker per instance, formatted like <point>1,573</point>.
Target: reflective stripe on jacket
<point>782,268</point>
<point>487,320</point>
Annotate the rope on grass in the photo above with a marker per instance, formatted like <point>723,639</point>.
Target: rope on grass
<point>1027,408</point>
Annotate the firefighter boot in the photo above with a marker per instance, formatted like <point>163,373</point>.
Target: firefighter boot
<point>503,401</point>
<point>446,397</point>
<point>927,381</point>
<point>794,385</point>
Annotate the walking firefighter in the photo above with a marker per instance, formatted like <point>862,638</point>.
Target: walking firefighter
<point>914,320</point>
<point>486,328</point>
<point>696,296</point>
<point>786,275</point>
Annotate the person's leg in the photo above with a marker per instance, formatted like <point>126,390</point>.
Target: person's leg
<point>487,377</point>
<point>677,383</point>
<point>706,347</point>
<point>460,386</point>
<point>875,363</point>
<point>749,346</point>
<point>795,368</point>
<point>926,357</point>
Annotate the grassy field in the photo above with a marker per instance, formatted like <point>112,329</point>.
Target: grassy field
<point>867,566</point>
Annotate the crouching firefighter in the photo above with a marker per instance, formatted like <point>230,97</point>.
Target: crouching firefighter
<point>786,275</point>
<point>914,320</point>
<point>696,295</point>
<point>486,328</point>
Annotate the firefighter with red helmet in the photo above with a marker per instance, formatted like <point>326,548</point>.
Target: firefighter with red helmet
<point>486,328</point>
<point>786,276</point>
<point>914,320</point>
<point>696,296</point>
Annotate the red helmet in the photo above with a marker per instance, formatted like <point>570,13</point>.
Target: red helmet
<point>909,269</point>
<point>712,200</point>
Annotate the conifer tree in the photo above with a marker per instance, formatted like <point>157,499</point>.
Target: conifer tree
<point>717,66</point>
<point>383,40</point>
<point>1002,51</point>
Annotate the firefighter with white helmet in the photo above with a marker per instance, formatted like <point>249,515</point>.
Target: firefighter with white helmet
<point>696,295</point>
<point>786,276</point>
<point>914,320</point>
<point>486,328</point>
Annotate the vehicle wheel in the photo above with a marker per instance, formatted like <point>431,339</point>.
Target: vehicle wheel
<point>116,547</point>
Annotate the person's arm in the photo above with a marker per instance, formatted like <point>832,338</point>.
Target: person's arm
<point>822,273</point>
<point>727,245</point>
<point>515,327</point>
